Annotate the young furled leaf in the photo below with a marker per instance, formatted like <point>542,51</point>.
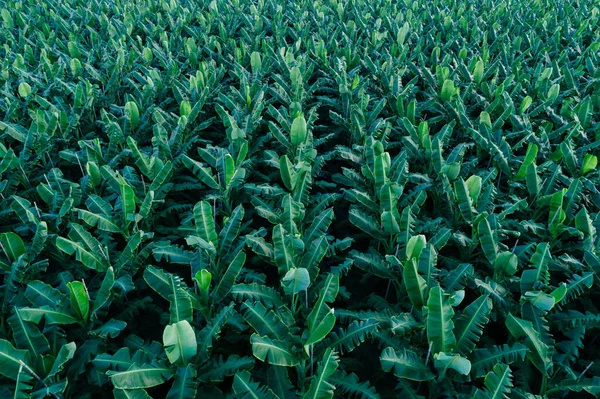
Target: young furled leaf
<point>298,131</point>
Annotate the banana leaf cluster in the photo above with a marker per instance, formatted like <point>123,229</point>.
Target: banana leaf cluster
<point>283,199</point>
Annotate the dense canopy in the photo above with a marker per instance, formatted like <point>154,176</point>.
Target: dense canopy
<point>280,199</point>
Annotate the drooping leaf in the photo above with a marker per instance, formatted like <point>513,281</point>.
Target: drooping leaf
<point>538,350</point>
<point>405,364</point>
<point>274,352</point>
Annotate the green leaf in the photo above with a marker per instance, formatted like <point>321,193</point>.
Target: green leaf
<point>426,264</point>
<point>16,131</point>
<point>320,387</point>
<point>540,300</point>
<point>228,168</point>
<point>478,71</point>
<point>539,274</point>
<point>160,177</point>
<point>235,267</point>
<point>319,226</point>
<point>40,294</point>
<point>532,179</point>
<point>283,252</point>
<point>405,364</point>
<point>366,223</point>
<point>27,335</point>
<point>136,377</point>
<point>132,114</point>
<point>179,341</point>
<point>23,385</point>
<point>414,283</point>
<point>24,89</point>
<point>185,384</point>
<point>557,215</point>
<point>212,331</point>
<point>10,359</point>
<point>474,187</point>
<point>295,281</point>
<point>469,325</point>
<point>506,263</point>
<point>205,223</point>
<point>415,246</point>
<point>460,364</point>
<point>590,385</point>
<point>440,326</point>
<point>298,131</point>
<point>484,359</point>
<point>381,170</point>
<point>255,62</point>
<point>265,322</point>
<point>288,174</point>
<point>320,330</point>
<point>130,394</point>
<point>245,388</point>
<point>403,323</point>
<point>553,93</point>
<point>103,223</point>
<point>127,199</point>
<point>488,241</point>
<point>52,316</point>
<point>230,231</point>
<point>525,104</point>
<point>538,350</point>
<point>589,163</point>
<point>257,292</point>
<point>530,155</point>
<point>274,352</point>
<point>559,293</point>
<point>12,246</point>
<point>218,369</point>
<point>110,329</point>
<point>203,278</point>
<point>204,174</point>
<point>465,204</point>
<point>448,90</point>
<point>498,383</point>
<point>349,385</point>
<point>80,301</point>
<point>389,223</point>
<point>345,341</point>
<point>66,353</point>
<point>87,258</point>
<point>321,318</point>
<point>180,304</point>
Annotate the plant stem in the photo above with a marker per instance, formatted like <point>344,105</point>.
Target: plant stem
<point>544,385</point>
